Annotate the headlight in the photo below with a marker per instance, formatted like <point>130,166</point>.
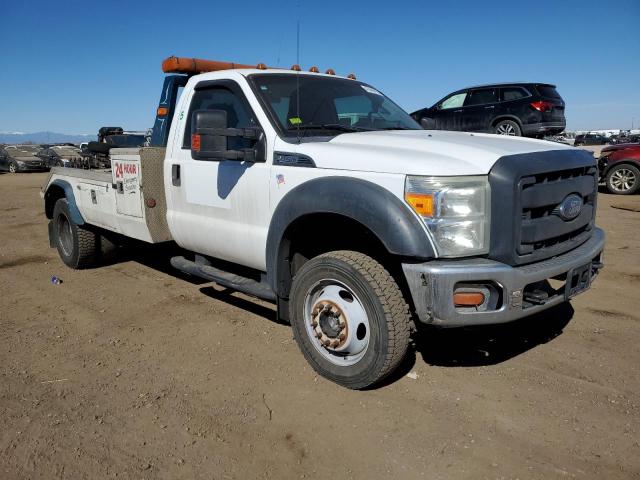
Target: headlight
<point>20,162</point>
<point>456,211</point>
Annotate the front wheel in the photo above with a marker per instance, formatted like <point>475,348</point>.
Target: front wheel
<point>507,127</point>
<point>349,318</point>
<point>623,179</point>
<point>13,167</point>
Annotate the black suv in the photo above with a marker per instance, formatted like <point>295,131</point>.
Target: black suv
<point>529,109</point>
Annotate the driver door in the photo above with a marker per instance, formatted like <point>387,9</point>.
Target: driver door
<point>218,207</point>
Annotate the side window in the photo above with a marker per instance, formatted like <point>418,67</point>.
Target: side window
<point>513,93</point>
<point>454,101</point>
<point>482,96</point>
<point>220,98</point>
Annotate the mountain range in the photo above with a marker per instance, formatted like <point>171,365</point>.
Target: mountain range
<point>43,137</point>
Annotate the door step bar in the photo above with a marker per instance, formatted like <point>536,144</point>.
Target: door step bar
<point>226,279</point>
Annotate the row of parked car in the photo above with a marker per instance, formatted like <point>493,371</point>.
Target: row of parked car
<point>30,158</point>
<point>599,139</point>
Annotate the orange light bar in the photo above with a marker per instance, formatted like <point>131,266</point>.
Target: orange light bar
<point>468,299</point>
<point>421,203</point>
<point>162,111</point>
<point>197,65</point>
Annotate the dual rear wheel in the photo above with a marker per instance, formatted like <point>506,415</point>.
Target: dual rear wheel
<point>78,246</point>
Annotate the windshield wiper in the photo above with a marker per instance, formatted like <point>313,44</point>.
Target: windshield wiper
<point>330,126</point>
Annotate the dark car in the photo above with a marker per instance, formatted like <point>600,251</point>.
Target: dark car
<point>617,139</point>
<point>21,158</point>
<point>591,139</point>
<point>527,109</point>
<point>61,156</point>
<point>619,167</point>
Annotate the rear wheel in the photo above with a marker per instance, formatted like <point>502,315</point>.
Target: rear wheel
<point>623,179</point>
<point>77,246</point>
<point>507,127</point>
<point>349,318</point>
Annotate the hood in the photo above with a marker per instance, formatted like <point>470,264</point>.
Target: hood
<point>620,146</point>
<point>420,152</point>
<point>25,158</point>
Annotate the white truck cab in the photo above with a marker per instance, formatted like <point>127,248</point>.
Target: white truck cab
<point>319,193</point>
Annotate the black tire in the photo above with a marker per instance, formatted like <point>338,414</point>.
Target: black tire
<point>380,298</point>
<point>507,127</point>
<point>78,247</point>
<point>623,179</point>
<point>13,167</point>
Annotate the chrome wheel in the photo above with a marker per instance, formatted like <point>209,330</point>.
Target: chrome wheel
<point>505,129</point>
<point>336,322</point>
<point>12,168</point>
<point>622,180</point>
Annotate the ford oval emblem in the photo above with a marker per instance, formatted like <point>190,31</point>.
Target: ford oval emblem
<point>570,207</point>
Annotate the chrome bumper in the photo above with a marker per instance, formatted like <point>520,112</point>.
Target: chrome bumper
<point>432,285</point>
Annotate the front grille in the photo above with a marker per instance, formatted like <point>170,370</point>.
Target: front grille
<point>543,233</point>
<point>526,191</point>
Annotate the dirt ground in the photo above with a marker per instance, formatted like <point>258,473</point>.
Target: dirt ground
<point>133,371</point>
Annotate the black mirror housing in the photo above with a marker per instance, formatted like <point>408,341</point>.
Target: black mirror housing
<point>210,134</point>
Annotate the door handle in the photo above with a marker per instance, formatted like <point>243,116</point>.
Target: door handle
<point>490,106</point>
<point>457,111</point>
<point>175,175</point>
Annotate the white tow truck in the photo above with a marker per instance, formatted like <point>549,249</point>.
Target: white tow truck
<point>319,193</point>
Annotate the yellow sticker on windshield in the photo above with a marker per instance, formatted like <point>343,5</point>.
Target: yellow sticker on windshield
<point>295,121</point>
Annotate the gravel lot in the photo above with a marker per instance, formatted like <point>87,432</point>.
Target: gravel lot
<point>133,371</point>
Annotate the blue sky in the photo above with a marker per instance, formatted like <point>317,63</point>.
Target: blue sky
<point>73,66</point>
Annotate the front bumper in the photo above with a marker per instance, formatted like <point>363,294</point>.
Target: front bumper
<point>29,167</point>
<point>543,127</point>
<point>432,285</point>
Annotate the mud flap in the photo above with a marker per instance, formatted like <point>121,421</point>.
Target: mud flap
<point>52,240</point>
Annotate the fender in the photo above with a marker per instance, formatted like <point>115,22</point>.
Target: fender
<point>377,209</point>
<point>505,116</point>
<point>76,216</point>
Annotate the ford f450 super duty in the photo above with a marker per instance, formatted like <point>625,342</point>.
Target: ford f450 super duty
<point>319,193</point>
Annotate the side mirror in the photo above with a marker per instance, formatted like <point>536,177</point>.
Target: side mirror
<point>210,138</point>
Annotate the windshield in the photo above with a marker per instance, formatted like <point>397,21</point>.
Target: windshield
<point>23,150</point>
<point>305,102</point>
<point>66,150</point>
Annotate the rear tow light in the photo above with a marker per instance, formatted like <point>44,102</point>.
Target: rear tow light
<point>542,106</point>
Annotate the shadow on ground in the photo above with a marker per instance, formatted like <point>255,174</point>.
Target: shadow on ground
<point>492,344</point>
<point>454,347</point>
